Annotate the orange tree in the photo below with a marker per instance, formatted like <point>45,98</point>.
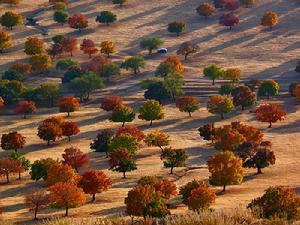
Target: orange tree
<point>187,104</point>
<point>69,129</point>
<point>69,44</point>
<point>226,169</point>
<point>173,157</point>
<point>49,131</point>
<point>75,158</point>
<point>68,104</point>
<point>40,62</point>
<point>94,181</point>
<point>78,21</point>
<point>12,141</point>
<point>219,104</point>
<point>176,62</point>
<point>58,172</point>
<point>34,46</point>
<point>157,139</point>
<point>37,200</point>
<point>131,130</point>
<point>205,9</point>
<point>88,47</point>
<point>111,102</point>
<point>277,201</point>
<point>270,112</point>
<point>66,195</point>
<point>26,107</point>
<point>186,190</point>
<point>270,19</point>
<point>8,166</point>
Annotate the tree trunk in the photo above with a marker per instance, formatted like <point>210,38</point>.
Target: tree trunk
<point>123,123</point>
<point>150,52</point>
<point>243,107</point>
<point>7,177</point>
<point>171,170</point>
<point>48,142</point>
<point>151,122</point>
<point>259,170</point>
<point>190,114</point>
<point>124,175</point>
<point>67,211</point>
<point>185,57</point>
<point>35,212</point>
<point>135,71</point>
<point>94,197</point>
<point>270,124</point>
<point>19,175</point>
<point>160,147</point>
<point>69,138</point>
<point>106,154</point>
<point>224,188</point>
<point>230,28</point>
<point>24,116</point>
<point>71,53</point>
<point>68,114</point>
<point>213,83</point>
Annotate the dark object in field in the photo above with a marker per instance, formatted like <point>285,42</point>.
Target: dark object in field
<point>162,51</point>
<point>298,68</point>
<point>31,22</point>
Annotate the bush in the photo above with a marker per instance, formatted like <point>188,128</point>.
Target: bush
<point>12,75</point>
<point>177,27</point>
<point>205,9</point>
<point>71,73</point>
<point>226,89</point>
<point>106,17</point>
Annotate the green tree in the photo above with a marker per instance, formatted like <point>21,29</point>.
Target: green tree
<point>11,90</point>
<point>219,104</point>
<point>71,73</point>
<point>173,157</point>
<point>60,16</point>
<point>173,84</point>
<point>156,90</point>
<point>85,84</point>
<point>268,88</point>
<point>40,167</point>
<point>122,161</point>
<point>10,19</point>
<point>24,162</point>
<point>151,43</point>
<point>124,141</point>
<point>177,27</point>
<point>106,17</point>
<point>134,63</point>
<point>65,64</point>
<point>151,110</point>
<point>102,141</point>
<point>111,69</point>
<point>164,69</point>
<point>122,114</point>
<point>49,93</point>
<point>213,72</point>
<point>11,74</point>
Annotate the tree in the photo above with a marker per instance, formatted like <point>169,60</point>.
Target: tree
<point>69,44</point>
<point>68,104</point>
<point>156,90</point>
<point>150,43</point>
<point>69,129</point>
<point>24,163</point>
<point>37,200</point>
<point>213,72</point>
<point>122,114</point>
<point>144,201</point>
<point>292,88</point>
<point>219,104</point>
<point>59,6</point>
<point>158,139</point>
<point>5,41</point>
<point>119,2</point>
<point>251,134</point>
<point>233,74</point>
<point>122,161</point>
<point>49,93</point>
<point>1,103</point>
<point>72,73</point>
<point>65,64</point>
<point>23,68</point>
<point>268,88</point>
<point>60,16</point>
<point>205,9</point>
<point>165,69</point>
<point>131,130</point>
<point>248,3</point>
<point>58,172</point>
<point>277,201</point>
<point>41,62</point>
<point>232,5</point>
<point>177,27</point>
<point>96,65</point>
<point>84,85</point>
<point>108,47</point>
<point>12,75</point>
<point>94,181</point>
<point>78,21</point>
<point>11,2</point>
<point>226,169</point>
<point>297,92</point>
<point>57,120</point>
<point>88,47</point>
<point>270,112</point>
<point>124,141</point>
<point>8,166</point>
<point>187,104</point>
<point>40,167</point>
<point>75,158</point>
<point>297,69</point>
<point>207,131</point>
<point>201,198</point>
<point>57,38</point>
<point>187,48</point>
<point>270,19</point>
<point>10,19</point>
<point>111,102</point>
<point>174,60</point>
<point>49,132</point>
<point>173,85</point>
<point>134,63</point>
<point>229,20</point>
<point>260,157</point>
<point>11,90</point>
<point>226,89</point>
<point>34,45</point>
<point>26,107</point>
<point>102,141</point>
<point>243,96</point>
<point>12,141</point>
<point>66,195</point>
<point>106,17</point>
<point>186,190</point>
<point>173,157</point>
<point>54,50</point>
<point>151,110</point>
<point>111,69</point>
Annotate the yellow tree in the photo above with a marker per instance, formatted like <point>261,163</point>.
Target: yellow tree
<point>41,62</point>
<point>5,41</point>
<point>270,19</point>
<point>108,47</point>
<point>226,169</point>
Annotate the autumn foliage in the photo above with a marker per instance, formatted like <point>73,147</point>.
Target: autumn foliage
<point>40,62</point>
<point>94,181</point>
<point>219,104</point>
<point>68,104</point>
<point>229,20</point>
<point>108,47</point>
<point>69,129</point>
<point>111,102</point>
<point>243,96</point>
<point>157,139</point>
<point>5,41</point>
<point>270,112</point>
<point>69,44</point>
<point>122,161</point>
<point>88,47</point>
<point>205,9</point>
<point>61,173</point>
<point>26,107</point>
<point>173,157</point>
<point>34,45</point>
<point>12,141</point>
<point>75,158</point>
<point>66,195</point>
<point>96,64</point>
<point>270,19</point>
<point>187,104</point>
<point>9,166</point>
<point>131,130</point>
<point>49,131</point>
<point>37,200</point>
<point>174,60</point>
<point>78,21</point>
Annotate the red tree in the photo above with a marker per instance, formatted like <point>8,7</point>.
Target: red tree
<point>88,47</point>
<point>9,165</point>
<point>75,158</point>
<point>109,103</point>
<point>12,141</point>
<point>69,129</point>
<point>69,44</point>
<point>68,104</point>
<point>96,64</point>
<point>270,112</point>
<point>94,181</point>
<point>229,20</point>
<point>133,131</point>
<point>232,5</point>
<point>37,200</point>
<point>49,131</point>
<point>26,107</point>
<point>78,21</point>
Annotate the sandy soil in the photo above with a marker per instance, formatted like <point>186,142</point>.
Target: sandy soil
<point>260,53</point>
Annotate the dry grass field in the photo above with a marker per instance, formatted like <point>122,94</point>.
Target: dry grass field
<point>259,52</point>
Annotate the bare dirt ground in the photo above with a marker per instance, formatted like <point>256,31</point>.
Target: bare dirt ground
<point>260,53</point>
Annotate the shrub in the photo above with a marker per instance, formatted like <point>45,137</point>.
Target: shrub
<point>151,110</point>
<point>134,63</point>
<point>270,19</point>
<point>270,112</point>
<point>106,17</point>
<point>177,27</point>
<point>205,9</point>
<point>173,157</point>
<point>151,43</point>
<point>229,20</point>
